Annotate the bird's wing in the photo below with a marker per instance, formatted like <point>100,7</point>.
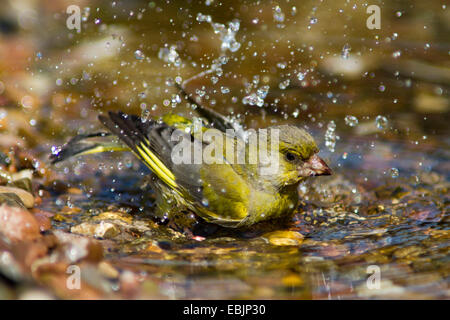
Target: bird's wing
<point>151,141</point>
<point>216,120</point>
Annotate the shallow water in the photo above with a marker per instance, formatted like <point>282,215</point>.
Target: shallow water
<point>385,209</point>
<point>360,218</point>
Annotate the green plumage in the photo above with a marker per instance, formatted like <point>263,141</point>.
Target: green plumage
<point>225,192</point>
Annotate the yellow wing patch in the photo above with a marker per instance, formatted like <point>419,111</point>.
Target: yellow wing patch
<point>104,148</point>
<point>156,165</point>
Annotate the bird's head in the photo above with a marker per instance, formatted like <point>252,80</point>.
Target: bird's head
<point>297,156</point>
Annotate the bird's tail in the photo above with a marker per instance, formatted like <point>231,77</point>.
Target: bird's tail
<point>86,144</point>
<point>147,140</point>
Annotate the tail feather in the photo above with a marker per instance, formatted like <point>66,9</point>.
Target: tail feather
<point>81,145</point>
<point>134,133</point>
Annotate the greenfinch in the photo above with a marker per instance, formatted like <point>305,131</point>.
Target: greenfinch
<point>226,192</point>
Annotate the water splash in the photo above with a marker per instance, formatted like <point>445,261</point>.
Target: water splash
<point>381,122</point>
<point>278,14</point>
<point>170,55</point>
<point>227,34</point>
<point>256,99</point>
<point>56,150</point>
<point>351,121</point>
<point>394,173</point>
<point>139,55</point>
<point>330,136</point>
<point>284,84</point>
<point>301,75</point>
<point>345,53</point>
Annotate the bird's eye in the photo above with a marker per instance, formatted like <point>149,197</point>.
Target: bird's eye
<point>291,157</point>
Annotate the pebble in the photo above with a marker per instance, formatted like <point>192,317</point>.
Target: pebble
<point>79,247</point>
<point>43,219</point>
<point>292,280</point>
<point>17,224</point>
<point>109,215</point>
<point>24,174</point>
<point>284,238</point>
<point>26,197</point>
<point>102,230</point>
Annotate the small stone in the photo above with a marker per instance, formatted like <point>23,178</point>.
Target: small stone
<point>108,270</point>
<point>26,197</point>
<point>85,228</point>
<point>17,224</point>
<point>76,191</point>
<point>23,174</point>
<point>102,230</point>
<point>292,280</point>
<point>284,238</point>
<point>79,247</point>
<point>109,215</point>
<point>106,230</point>
<point>70,210</point>
<point>43,219</point>
<point>24,184</point>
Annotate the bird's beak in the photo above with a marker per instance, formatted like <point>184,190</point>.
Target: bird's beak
<point>317,167</point>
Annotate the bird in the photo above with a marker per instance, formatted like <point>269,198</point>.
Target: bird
<point>225,192</point>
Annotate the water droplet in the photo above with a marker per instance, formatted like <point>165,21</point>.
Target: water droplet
<point>345,51</point>
<point>278,15</point>
<point>139,55</point>
<point>253,100</point>
<point>202,17</point>
<point>351,121</point>
<point>313,20</point>
<point>227,35</point>
<point>397,54</point>
<point>394,173</point>
<point>381,122</point>
<point>330,136</point>
<point>145,115</point>
<point>293,10</point>
<point>170,55</point>
<point>175,100</point>
<point>214,80</point>
<point>205,202</point>
<point>3,114</point>
<point>408,83</point>
<point>301,75</point>
<point>56,150</point>
<point>281,65</point>
<point>284,84</point>
<point>224,90</point>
